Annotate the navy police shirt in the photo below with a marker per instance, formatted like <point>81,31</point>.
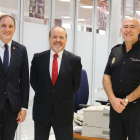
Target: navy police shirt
<point>124,69</point>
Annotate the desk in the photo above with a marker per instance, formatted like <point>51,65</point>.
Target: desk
<point>78,135</point>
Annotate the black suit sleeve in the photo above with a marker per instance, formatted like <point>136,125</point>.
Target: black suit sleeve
<point>33,73</point>
<point>77,75</point>
<point>24,80</point>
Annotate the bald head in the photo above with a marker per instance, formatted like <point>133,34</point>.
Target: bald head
<point>130,30</point>
<point>131,19</point>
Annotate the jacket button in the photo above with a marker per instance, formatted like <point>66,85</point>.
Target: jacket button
<point>53,90</point>
<point>4,92</point>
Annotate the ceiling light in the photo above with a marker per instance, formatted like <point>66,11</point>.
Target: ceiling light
<point>97,7</point>
<point>4,13</point>
<point>65,17</point>
<point>102,32</point>
<point>87,7</point>
<point>138,12</point>
<point>65,0</point>
<point>1,13</point>
<point>81,19</point>
<point>127,16</point>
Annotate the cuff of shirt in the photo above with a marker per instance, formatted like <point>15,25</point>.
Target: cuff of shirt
<point>24,108</point>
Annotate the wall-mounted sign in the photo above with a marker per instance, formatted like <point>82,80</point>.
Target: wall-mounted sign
<point>102,15</point>
<point>36,8</point>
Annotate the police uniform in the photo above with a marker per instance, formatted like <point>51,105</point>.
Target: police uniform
<point>124,69</point>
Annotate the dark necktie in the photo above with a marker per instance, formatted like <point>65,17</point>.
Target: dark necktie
<point>6,58</point>
<point>54,69</point>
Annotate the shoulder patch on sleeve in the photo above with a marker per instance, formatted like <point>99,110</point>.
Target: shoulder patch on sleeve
<point>116,46</point>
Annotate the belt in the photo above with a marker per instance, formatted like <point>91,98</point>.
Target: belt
<point>137,100</point>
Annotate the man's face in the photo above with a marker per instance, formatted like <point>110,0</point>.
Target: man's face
<point>7,29</point>
<point>130,30</point>
<point>58,39</point>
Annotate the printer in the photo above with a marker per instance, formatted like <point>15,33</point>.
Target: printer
<point>96,122</point>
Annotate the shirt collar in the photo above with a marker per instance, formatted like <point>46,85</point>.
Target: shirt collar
<point>134,46</point>
<point>2,44</point>
<point>59,54</point>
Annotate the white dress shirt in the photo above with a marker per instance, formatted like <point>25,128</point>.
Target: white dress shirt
<point>2,49</point>
<point>59,58</point>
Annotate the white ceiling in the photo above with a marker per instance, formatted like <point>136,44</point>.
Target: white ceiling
<point>64,8</point>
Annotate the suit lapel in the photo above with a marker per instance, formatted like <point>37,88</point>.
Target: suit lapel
<point>64,65</point>
<point>46,62</point>
<point>13,53</point>
<point>1,67</point>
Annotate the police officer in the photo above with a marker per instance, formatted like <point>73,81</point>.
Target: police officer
<point>121,82</point>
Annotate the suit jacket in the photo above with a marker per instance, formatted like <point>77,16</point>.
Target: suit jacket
<point>16,83</point>
<point>61,95</point>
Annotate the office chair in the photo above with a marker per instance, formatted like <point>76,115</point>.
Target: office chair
<point>81,97</point>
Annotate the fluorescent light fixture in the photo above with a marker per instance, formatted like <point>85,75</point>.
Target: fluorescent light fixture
<point>1,13</point>
<point>102,32</point>
<point>65,0</point>
<point>81,19</point>
<point>107,12</point>
<point>87,7</point>
<point>127,16</point>
<point>79,28</point>
<point>97,7</point>
<point>138,12</point>
<point>66,25</point>
<point>4,13</point>
<point>65,17</point>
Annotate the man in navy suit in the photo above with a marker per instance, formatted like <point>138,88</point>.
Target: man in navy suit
<point>55,78</point>
<point>14,80</point>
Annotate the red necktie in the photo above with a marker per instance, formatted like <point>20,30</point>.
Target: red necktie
<point>54,69</point>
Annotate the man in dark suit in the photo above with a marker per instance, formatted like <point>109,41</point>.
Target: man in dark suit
<point>55,78</point>
<point>14,80</point>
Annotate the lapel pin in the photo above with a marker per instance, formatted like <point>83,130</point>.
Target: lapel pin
<point>13,47</point>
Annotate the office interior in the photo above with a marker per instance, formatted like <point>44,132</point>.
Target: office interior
<point>93,28</point>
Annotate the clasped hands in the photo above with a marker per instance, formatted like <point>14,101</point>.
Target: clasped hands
<point>118,104</point>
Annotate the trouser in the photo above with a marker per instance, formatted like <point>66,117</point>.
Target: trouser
<point>8,122</point>
<point>125,124</point>
<point>62,132</point>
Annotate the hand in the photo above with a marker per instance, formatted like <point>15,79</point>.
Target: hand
<point>118,104</point>
<point>21,116</point>
<point>125,101</point>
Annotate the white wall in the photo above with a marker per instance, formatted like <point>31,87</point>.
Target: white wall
<point>15,36</point>
<point>69,45</point>
<point>84,50</point>
<point>115,22</point>
<point>36,40</point>
<point>101,59</point>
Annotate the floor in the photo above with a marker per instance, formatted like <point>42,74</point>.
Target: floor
<point>79,137</point>
<point>27,127</point>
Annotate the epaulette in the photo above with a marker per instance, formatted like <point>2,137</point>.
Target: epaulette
<point>116,46</point>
